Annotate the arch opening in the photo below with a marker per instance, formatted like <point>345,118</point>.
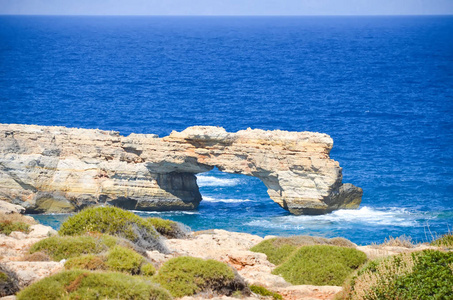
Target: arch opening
<point>229,193</point>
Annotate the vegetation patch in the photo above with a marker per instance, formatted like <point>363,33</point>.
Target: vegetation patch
<point>444,241</point>
<point>320,265</point>
<point>401,241</point>
<point>7,227</point>
<point>124,260</point>
<point>117,258</point>
<point>168,228</point>
<point>260,290</point>
<point>86,262</point>
<point>279,249</point>
<point>186,276</point>
<point>9,284</point>
<point>15,222</point>
<point>425,274</point>
<point>36,256</point>
<point>114,221</point>
<point>78,284</point>
<point>147,269</point>
<point>59,247</point>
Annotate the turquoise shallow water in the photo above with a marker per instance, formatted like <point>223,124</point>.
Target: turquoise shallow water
<point>382,87</point>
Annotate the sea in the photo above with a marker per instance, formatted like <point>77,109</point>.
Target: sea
<point>381,87</point>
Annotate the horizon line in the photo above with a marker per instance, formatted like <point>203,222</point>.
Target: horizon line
<point>229,15</point>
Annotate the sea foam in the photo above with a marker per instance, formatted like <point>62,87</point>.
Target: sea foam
<point>204,181</point>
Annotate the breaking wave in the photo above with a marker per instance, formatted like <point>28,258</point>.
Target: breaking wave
<point>204,181</point>
<point>212,199</point>
<point>360,217</point>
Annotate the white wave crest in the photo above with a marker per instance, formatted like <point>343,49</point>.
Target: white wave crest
<point>203,181</point>
<point>169,212</point>
<point>359,217</point>
<point>212,199</point>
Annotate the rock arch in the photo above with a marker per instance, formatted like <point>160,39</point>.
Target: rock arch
<point>48,169</point>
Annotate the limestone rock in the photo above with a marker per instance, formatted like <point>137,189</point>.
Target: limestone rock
<point>9,208</point>
<point>14,248</point>
<point>58,169</point>
<point>31,271</point>
<point>309,292</point>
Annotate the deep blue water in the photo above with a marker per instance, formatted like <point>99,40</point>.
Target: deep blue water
<point>382,87</point>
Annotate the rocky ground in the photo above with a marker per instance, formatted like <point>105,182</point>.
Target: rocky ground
<point>230,247</point>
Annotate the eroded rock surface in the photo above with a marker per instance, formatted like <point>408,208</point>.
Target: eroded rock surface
<point>58,169</point>
<point>14,248</point>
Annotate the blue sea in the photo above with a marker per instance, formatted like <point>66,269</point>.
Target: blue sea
<point>381,87</point>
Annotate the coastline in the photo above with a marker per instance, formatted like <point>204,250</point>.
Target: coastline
<point>231,248</point>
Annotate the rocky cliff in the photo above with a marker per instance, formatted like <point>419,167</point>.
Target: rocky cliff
<point>58,169</point>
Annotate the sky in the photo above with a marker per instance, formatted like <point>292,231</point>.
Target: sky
<point>226,7</point>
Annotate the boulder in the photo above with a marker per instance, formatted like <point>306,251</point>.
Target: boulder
<point>9,208</point>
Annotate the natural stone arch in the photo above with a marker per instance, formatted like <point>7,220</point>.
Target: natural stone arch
<point>144,172</point>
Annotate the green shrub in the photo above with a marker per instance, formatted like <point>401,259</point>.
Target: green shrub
<point>124,260</point>
<point>444,241</point>
<point>9,283</point>
<point>6,227</point>
<point>78,284</point>
<point>425,274</point>
<point>86,262</point>
<point>147,269</point>
<point>168,228</point>
<point>114,221</point>
<point>186,276</point>
<point>276,254</point>
<point>320,265</point>
<point>260,290</point>
<point>279,249</point>
<point>58,247</point>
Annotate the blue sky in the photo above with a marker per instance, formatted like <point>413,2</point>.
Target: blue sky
<point>227,7</point>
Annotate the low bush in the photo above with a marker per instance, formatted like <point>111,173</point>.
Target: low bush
<point>260,290</point>
<point>59,247</point>
<point>86,262</point>
<point>168,228</point>
<point>279,249</point>
<point>7,227</point>
<point>147,269</point>
<point>79,284</point>
<point>9,283</point>
<point>117,259</point>
<point>320,265</point>
<point>186,276</point>
<point>444,241</point>
<point>425,274</point>
<point>124,260</point>
<point>15,222</point>
<point>114,221</point>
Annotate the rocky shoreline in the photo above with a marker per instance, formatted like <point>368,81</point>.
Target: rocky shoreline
<point>228,247</point>
<point>58,169</point>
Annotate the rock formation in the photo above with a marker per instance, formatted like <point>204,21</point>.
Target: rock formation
<point>58,169</point>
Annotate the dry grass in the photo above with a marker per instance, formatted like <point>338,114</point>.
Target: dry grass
<point>401,241</point>
<point>37,256</point>
<point>444,241</point>
<point>379,274</point>
<point>200,232</point>
<point>16,218</point>
<point>305,240</point>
